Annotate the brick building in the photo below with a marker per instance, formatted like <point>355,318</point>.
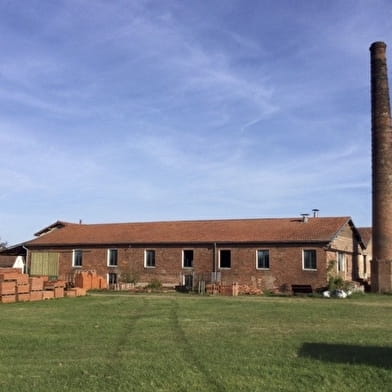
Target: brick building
<point>271,254</point>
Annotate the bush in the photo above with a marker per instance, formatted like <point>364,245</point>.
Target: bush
<point>155,284</point>
<point>338,283</point>
<point>335,283</point>
<point>130,277</point>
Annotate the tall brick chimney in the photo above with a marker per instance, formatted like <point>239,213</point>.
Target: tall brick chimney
<point>381,280</point>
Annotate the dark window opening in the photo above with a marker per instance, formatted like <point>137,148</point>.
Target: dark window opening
<point>263,259</point>
<point>225,259</point>
<point>188,258</point>
<point>78,258</point>
<point>310,259</point>
<point>150,258</point>
<point>113,257</point>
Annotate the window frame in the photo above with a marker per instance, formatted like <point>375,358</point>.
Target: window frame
<point>183,258</point>
<point>364,258</point>
<point>268,260</point>
<point>304,267</point>
<point>75,258</point>
<point>146,252</point>
<point>341,263</point>
<point>109,264</point>
<point>220,259</point>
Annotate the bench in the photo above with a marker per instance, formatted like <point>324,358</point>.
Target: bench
<point>182,289</point>
<point>301,289</point>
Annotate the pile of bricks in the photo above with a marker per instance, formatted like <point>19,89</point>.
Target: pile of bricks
<point>212,289</point>
<point>8,285</point>
<point>223,289</point>
<point>233,289</point>
<point>249,290</point>
<point>18,287</point>
<point>75,292</point>
<point>53,289</point>
<point>89,280</point>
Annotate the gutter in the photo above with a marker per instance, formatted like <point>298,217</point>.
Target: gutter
<point>27,259</point>
<point>215,267</point>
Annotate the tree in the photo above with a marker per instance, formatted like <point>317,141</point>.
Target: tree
<point>3,244</point>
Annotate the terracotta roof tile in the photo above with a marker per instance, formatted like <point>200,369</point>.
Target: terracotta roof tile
<point>202,231</point>
<point>366,234</point>
<point>7,261</point>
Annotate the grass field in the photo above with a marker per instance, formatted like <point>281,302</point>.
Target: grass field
<point>190,343</point>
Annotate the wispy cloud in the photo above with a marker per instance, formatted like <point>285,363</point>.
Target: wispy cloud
<point>121,110</point>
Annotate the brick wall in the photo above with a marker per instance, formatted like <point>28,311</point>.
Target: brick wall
<point>131,264</point>
<point>347,243</point>
<point>286,264</point>
<point>286,268</point>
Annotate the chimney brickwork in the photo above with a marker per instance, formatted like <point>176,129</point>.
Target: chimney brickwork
<point>381,170</point>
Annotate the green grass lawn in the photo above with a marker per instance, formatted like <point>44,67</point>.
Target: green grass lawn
<point>190,343</point>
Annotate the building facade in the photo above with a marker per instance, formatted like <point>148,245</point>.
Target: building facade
<point>270,254</point>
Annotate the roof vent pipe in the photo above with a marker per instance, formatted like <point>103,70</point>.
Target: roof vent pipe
<point>315,212</point>
<point>305,218</point>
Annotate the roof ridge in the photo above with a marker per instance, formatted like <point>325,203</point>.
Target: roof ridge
<point>205,220</point>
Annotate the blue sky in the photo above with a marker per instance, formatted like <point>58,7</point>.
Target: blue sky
<point>121,111</point>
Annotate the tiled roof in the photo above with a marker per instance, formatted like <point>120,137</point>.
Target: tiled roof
<point>7,261</point>
<point>203,231</point>
<point>366,234</point>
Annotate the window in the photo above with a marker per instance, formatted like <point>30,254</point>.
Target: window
<point>341,262</point>
<point>112,257</point>
<point>225,258</point>
<point>77,258</point>
<point>309,259</point>
<point>112,278</point>
<point>263,259</point>
<point>364,265</point>
<point>149,258</point>
<point>187,258</point>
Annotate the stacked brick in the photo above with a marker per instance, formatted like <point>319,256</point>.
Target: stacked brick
<point>223,289</point>
<point>18,287</point>
<point>9,284</point>
<point>89,280</point>
<point>22,287</point>
<point>212,289</point>
<point>233,289</point>
<point>249,290</point>
<point>75,292</point>
<point>53,289</point>
<point>36,288</point>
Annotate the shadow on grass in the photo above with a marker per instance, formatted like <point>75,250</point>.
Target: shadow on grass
<point>349,354</point>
